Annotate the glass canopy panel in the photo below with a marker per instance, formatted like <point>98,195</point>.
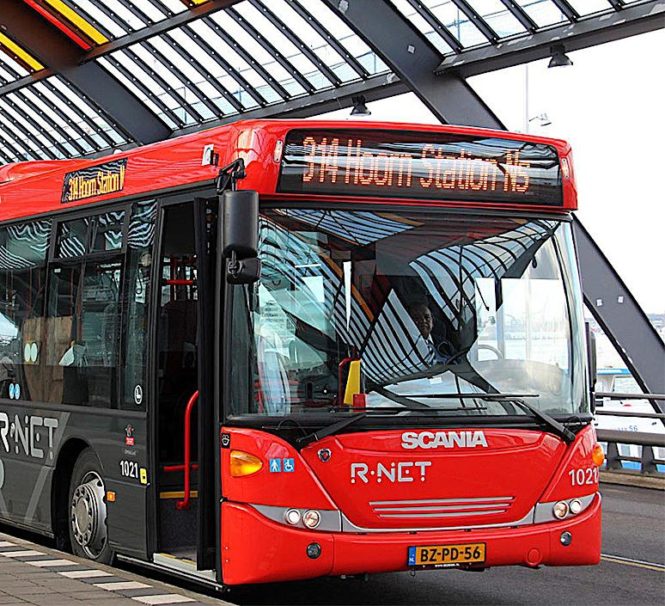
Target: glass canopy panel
<point>40,102</point>
<point>353,44</point>
<point>57,139</point>
<point>456,22</point>
<point>173,7</point>
<point>262,56</point>
<point>13,121</point>
<point>589,7</point>
<point>149,83</point>
<point>425,24</point>
<point>200,85</point>
<point>498,17</point>
<point>308,36</point>
<point>94,13</point>
<point>10,70</point>
<point>285,41</point>
<point>165,68</point>
<point>131,86</point>
<point>89,118</point>
<point>543,12</point>
<point>212,59</point>
<point>13,147</point>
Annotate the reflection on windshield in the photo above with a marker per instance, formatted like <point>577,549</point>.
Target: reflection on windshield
<point>431,305</point>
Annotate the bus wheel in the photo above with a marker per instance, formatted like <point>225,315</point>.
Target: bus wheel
<point>87,510</point>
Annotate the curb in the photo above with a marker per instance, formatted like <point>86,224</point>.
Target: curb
<point>630,479</point>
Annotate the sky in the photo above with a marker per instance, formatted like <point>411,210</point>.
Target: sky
<point>610,106</point>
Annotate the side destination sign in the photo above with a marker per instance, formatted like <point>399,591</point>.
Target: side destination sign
<point>94,181</point>
<point>435,166</point>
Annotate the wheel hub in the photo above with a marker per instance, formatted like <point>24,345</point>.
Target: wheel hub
<point>88,515</point>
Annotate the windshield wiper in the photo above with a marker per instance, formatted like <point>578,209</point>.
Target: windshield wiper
<point>315,436</point>
<point>558,428</point>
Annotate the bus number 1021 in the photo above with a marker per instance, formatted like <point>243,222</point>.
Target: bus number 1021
<point>129,469</point>
<point>580,477</point>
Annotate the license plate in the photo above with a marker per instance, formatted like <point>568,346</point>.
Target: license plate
<point>447,555</point>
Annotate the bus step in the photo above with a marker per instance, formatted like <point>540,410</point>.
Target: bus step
<point>182,565</point>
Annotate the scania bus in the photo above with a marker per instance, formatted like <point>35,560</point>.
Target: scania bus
<point>279,350</point>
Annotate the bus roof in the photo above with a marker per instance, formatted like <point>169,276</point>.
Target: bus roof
<point>44,186</point>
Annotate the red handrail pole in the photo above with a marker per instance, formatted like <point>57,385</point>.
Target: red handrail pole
<point>184,504</point>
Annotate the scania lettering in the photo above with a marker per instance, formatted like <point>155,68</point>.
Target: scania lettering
<point>357,345</point>
<point>445,439</point>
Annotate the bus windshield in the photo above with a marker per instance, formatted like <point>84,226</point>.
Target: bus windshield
<point>431,304</point>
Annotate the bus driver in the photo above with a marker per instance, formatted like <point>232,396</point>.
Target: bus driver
<point>441,350</point>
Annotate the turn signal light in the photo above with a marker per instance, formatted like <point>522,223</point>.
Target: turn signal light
<point>597,455</point>
<point>244,464</point>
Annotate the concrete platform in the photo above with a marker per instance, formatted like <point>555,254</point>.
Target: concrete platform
<point>34,574</point>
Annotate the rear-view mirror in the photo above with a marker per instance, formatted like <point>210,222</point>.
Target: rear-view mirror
<point>241,223</point>
<point>241,231</point>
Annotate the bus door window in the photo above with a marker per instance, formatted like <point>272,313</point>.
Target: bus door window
<point>140,237</point>
<point>177,329</point>
<point>23,250</point>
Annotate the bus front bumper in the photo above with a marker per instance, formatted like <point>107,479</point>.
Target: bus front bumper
<point>258,550</point>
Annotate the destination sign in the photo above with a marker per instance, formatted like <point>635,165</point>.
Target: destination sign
<point>94,181</point>
<point>436,166</point>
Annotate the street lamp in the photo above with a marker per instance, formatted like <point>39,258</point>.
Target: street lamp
<point>359,107</point>
<point>559,57</point>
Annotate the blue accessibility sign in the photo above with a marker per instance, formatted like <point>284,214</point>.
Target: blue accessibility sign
<point>275,465</point>
<point>289,465</point>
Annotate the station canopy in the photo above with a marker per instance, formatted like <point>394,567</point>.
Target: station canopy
<point>85,77</point>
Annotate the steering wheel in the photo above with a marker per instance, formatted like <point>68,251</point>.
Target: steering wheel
<point>493,349</point>
<point>463,352</point>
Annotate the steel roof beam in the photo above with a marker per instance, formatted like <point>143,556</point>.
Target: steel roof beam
<point>63,57</point>
<point>584,33</point>
<point>408,53</point>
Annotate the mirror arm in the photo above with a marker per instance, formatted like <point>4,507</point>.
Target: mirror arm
<point>229,176</point>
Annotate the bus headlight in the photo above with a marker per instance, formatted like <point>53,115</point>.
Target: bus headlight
<point>292,516</point>
<point>560,510</point>
<point>311,518</point>
<point>575,506</point>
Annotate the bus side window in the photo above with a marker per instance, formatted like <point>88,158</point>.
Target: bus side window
<point>23,249</point>
<point>83,322</point>
<point>140,238</point>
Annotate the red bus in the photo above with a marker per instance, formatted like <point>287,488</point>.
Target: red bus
<point>280,350</point>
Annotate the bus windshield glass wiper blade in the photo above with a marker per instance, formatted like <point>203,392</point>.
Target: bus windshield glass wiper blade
<point>329,430</point>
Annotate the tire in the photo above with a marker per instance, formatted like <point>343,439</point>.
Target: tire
<point>86,510</point>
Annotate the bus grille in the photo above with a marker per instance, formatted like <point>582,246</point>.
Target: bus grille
<point>441,508</point>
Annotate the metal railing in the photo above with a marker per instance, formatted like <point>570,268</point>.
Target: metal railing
<point>648,461</point>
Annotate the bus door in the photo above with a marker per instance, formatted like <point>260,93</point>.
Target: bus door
<point>185,504</point>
